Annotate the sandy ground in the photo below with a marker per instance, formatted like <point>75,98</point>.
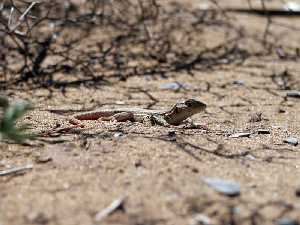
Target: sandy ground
<point>159,171</point>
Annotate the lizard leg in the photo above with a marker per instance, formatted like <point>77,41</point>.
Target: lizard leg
<point>159,120</point>
<point>75,121</point>
<point>192,125</point>
<point>143,118</point>
<point>149,120</point>
<point>119,117</point>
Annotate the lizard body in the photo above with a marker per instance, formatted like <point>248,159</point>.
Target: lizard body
<point>178,113</point>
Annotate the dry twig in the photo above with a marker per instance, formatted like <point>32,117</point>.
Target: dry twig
<point>16,170</point>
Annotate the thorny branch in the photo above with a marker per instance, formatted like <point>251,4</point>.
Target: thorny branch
<point>44,42</point>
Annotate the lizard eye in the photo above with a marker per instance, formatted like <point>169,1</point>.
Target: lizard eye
<point>189,103</point>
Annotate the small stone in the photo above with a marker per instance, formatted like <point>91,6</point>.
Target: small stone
<point>292,6</point>
<point>297,192</point>
<point>174,86</point>
<point>120,103</point>
<point>236,210</point>
<point>242,134</point>
<point>229,188</point>
<point>290,103</point>
<point>263,131</point>
<point>138,163</point>
<point>286,221</point>
<point>172,135</point>
<point>203,6</point>
<point>201,219</point>
<point>291,141</point>
<point>251,157</point>
<point>195,170</point>
<point>268,159</point>
<point>43,159</point>
<point>239,82</point>
<point>118,135</point>
<point>293,94</point>
<point>37,218</point>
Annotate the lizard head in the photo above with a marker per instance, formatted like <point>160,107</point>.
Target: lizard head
<point>185,109</point>
<point>192,104</point>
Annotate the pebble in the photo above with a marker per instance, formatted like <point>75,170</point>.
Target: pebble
<point>263,131</point>
<point>238,135</point>
<point>251,157</point>
<point>43,159</point>
<point>174,86</point>
<point>201,219</point>
<point>229,188</point>
<point>292,6</point>
<point>297,192</point>
<point>286,221</point>
<point>119,135</point>
<point>293,94</point>
<point>172,135</point>
<point>203,6</point>
<point>291,141</point>
<point>280,110</point>
<point>239,82</point>
<point>120,102</point>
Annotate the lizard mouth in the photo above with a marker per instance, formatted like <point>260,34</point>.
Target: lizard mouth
<point>195,105</point>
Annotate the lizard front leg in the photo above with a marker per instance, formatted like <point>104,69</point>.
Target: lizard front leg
<point>160,120</point>
<point>143,118</point>
<point>190,124</point>
<point>150,119</point>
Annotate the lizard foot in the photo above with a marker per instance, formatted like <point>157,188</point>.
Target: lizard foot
<point>190,124</point>
<point>76,122</point>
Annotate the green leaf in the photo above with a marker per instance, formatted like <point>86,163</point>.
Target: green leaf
<point>3,102</point>
<point>11,113</point>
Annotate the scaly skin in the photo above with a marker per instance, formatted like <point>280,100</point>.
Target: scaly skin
<point>178,113</point>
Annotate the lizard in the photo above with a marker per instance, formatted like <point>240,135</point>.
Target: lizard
<point>174,116</point>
